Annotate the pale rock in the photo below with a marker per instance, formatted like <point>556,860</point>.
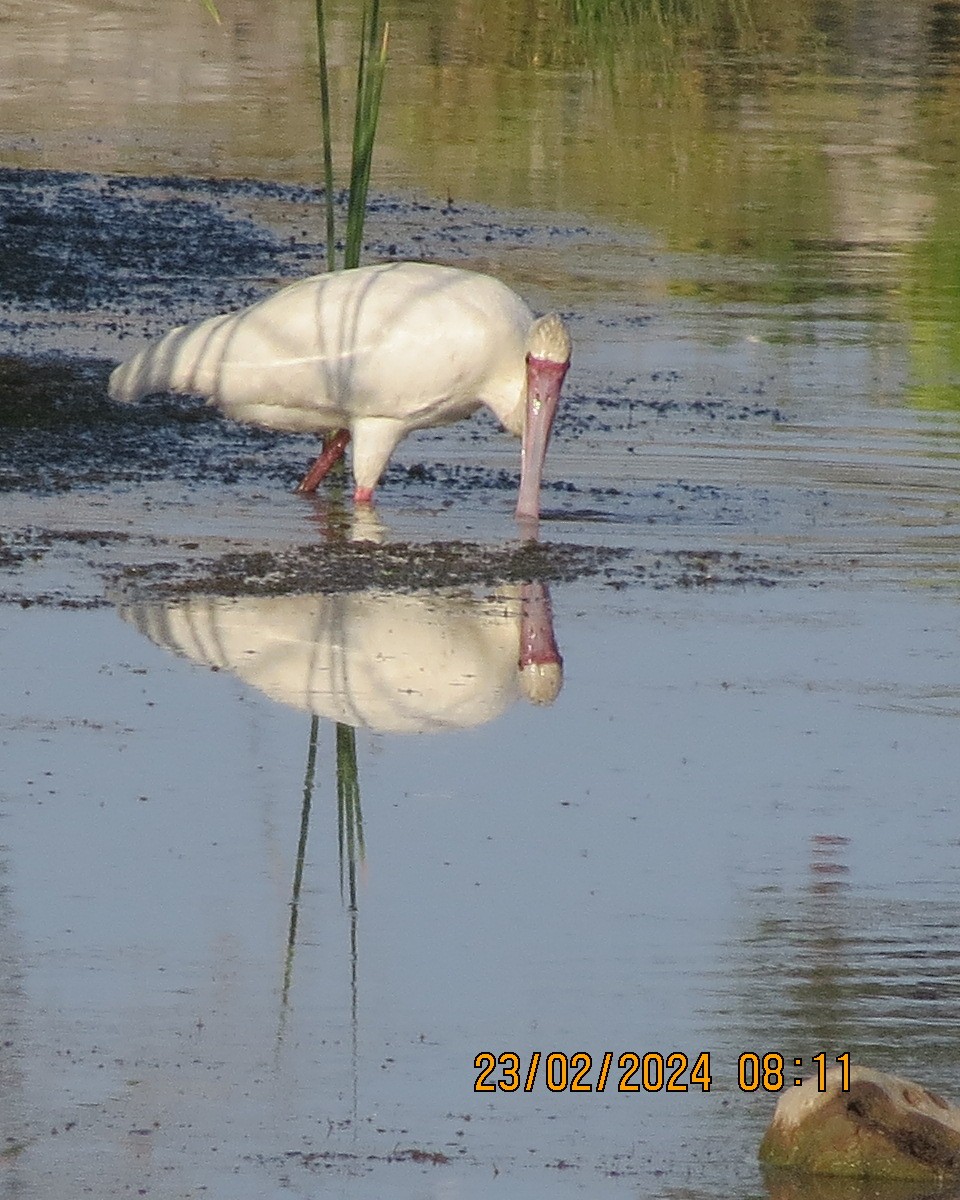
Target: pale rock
<point>882,1128</point>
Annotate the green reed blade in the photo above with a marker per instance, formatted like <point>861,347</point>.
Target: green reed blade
<point>351,256</point>
<point>326,123</point>
<point>370,74</point>
<point>363,157</point>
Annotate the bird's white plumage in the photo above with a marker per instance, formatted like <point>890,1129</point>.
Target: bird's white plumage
<point>378,351</point>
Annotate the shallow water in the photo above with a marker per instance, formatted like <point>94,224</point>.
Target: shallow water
<point>715,804</point>
<point>732,831</point>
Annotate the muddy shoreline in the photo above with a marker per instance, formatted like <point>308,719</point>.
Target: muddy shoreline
<point>93,263</point>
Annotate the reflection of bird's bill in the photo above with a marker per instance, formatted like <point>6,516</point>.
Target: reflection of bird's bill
<point>541,667</point>
<point>396,663</point>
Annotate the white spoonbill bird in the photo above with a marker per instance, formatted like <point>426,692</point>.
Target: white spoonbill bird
<point>366,356</point>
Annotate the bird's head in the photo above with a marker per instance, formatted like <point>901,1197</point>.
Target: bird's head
<point>548,358</point>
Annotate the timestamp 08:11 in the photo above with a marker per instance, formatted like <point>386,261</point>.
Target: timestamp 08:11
<point>652,1071</point>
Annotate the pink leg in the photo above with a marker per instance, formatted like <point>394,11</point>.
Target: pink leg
<point>334,445</point>
<point>363,495</point>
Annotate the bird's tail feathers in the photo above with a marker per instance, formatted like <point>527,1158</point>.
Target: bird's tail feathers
<point>187,360</point>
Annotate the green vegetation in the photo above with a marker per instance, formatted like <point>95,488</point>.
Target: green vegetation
<point>931,312</point>
<point>371,67</point>
<point>370,71</point>
<point>615,18</point>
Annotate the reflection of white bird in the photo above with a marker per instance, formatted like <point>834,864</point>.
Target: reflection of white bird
<point>369,355</point>
<point>402,664</point>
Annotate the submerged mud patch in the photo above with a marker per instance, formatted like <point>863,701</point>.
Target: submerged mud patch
<point>59,431</point>
<point>356,566</point>
<point>93,568</point>
<point>71,242</point>
<point>91,261</point>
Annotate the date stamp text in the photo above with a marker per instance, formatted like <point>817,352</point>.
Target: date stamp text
<point>646,1071</point>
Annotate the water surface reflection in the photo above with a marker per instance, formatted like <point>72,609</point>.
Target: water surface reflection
<point>855,963</point>
<point>420,663</point>
<point>402,664</point>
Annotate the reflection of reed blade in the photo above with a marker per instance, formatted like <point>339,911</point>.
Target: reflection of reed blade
<point>308,778</point>
<point>349,815</point>
<point>350,837</point>
<point>405,664</point>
